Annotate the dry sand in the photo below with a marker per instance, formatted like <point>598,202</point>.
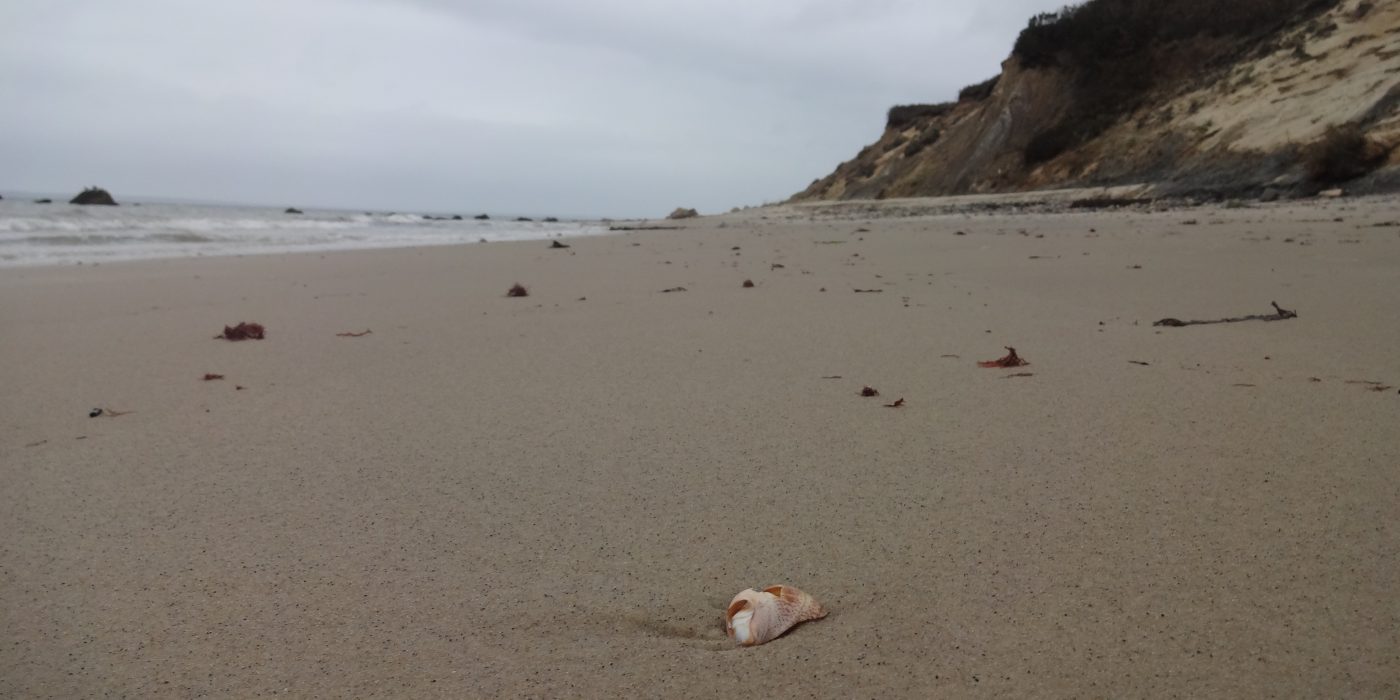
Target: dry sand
<point>553,496</point>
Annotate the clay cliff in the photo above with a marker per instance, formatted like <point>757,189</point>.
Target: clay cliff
<point>1250,98</point>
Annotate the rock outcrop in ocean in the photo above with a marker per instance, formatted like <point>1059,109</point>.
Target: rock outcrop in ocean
<point>93,195</point>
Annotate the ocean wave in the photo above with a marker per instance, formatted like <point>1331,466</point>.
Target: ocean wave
<point>32,235</point>
<point>61,225</point>
<point>103,239</point>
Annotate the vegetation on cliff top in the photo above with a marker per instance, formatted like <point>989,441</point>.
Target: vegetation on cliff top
<point>903,116</point>
<point>1119,50</point>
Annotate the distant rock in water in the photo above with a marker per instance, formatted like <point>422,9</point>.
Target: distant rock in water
<point>523,218</point>
<point>456,217</point>
<point>94,195</point>
<point>292,210</point>
<point>551,220</point>
<point>683,213</point>
<point>481,217</point>
<point>45,200</point>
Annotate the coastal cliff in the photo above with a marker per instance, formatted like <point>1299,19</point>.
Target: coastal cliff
<point>1263,98</point>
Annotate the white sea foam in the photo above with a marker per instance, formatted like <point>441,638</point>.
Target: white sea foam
<point>43,234</point>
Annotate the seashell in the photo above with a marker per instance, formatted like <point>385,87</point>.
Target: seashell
<point>757,617</point>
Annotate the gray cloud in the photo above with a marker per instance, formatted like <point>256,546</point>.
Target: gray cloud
<point>612,107</point>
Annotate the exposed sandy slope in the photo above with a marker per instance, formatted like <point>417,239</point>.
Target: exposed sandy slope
<point>554,496</point>
<point>1316,80</point>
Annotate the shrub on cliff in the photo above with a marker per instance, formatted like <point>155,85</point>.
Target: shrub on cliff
<point>979,91</point>
<point>928,138</point>
<point>1343,153</point>
<point>903,116</point>
<point>1050,143</point>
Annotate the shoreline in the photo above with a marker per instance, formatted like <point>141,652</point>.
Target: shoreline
<point>1139,198</point>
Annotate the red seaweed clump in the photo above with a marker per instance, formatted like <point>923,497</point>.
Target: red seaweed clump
<point>1010,359</point>
<point>518,290</point>
<point>244,331</point>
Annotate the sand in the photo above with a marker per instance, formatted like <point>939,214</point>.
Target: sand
<point>557,495</point>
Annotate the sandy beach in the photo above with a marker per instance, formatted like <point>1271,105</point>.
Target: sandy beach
<point>557,495</point>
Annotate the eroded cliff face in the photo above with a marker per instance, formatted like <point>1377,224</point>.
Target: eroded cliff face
<point>974,145</point>
<point>1250,126</point>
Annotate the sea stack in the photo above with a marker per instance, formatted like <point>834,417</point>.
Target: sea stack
<point>94,195</point>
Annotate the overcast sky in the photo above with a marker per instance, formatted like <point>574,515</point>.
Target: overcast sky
<point>567,107</point>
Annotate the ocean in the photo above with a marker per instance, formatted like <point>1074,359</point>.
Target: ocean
<point>61,233</point>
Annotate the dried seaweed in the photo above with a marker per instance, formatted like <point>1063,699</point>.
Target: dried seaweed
<point>350,334</point>
<point>748,284</point>
<point>898,403</point>
<point>243,331</point>
<point>209,376</point>
<point>517,290</point>
<point>869,391</point>
<point>673,289</point>
<point>1010,359</point>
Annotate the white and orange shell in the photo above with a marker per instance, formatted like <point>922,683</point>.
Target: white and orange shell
<point>757,617</point>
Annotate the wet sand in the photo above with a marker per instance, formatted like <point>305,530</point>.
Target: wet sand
<point>557,495</point>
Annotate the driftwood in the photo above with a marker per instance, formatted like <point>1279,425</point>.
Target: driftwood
<point>1279,315</point>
